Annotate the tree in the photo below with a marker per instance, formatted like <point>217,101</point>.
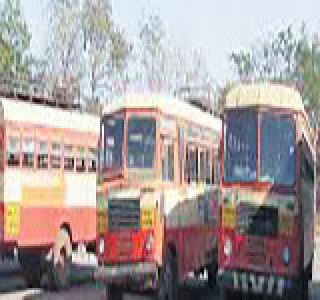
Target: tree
<point>153,52</point>
<point>14,39</point>
<point>290,57</point>
<point>308,60</point>
<point>274,59</point>
<point>105,45</point>
<point>64,53</point>
<point>156,65</point>
<point>87,48</point>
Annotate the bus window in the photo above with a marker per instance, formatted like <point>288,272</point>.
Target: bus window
<point>278,161</point>
<point>192,164</point>
<point>81,160</point>
<point>215,167</point>
<point>306,165</point>
<point>68,158</point>
<point>1,154</point>
<point>92,160</point>
<point>208,167</point>
<point>141,142</point>
<point>113,140</point>
<point>28,152</point>
<point>43,155</point>
<point>13,152</point>
<point>202,165</point>
<point>241,147</point>
<point>55,157</point>
<point>168,160</point>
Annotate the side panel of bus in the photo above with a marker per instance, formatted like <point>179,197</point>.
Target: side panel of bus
<point>307,179</point>
<point>2,220</point>
<point>39,200</point>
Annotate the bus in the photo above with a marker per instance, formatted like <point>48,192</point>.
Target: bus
<point>267,193</point>
<point>157,194</point>
<point>48,163</point>
<point>317,215</point>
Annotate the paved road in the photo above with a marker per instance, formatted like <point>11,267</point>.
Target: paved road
<point>193,290</point>
<point>93,292</point>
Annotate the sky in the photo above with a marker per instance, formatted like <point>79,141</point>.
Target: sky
<point>215,27</point>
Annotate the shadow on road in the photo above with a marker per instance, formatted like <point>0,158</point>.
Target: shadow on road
<point>95,292</point>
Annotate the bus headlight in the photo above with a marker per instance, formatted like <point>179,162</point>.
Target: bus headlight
<point>286,255</point>
<point>101,245</point>
<point>227,247</point>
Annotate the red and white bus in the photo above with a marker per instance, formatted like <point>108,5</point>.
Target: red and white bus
<point>156,198</point>
<point>267,206</point>
<point>48,185</point>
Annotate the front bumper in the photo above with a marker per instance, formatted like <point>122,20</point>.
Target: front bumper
<point>141,275</point>
<point>251,282</point>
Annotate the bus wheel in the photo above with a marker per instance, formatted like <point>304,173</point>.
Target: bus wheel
<point>30,268</point>
<point>61,262</point>
<point>309,269</point>
<point>227,294</point>
<point>113,293</point>
<point>302,290</point>
<point>168,279</point>
<point>212,274</point>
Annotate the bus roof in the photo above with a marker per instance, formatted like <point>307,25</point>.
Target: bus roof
<point>40,115</point>
<point>167,105</point>
<point>264,94</point>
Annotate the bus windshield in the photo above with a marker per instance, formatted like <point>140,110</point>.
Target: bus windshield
<point>240,140</point>
<point>113,142</point>
<point>277,150</point>
<point>141,142</point>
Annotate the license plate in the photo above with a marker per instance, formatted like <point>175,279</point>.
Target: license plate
<point>258,283</point>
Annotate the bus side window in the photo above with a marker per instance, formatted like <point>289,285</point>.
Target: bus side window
<point>202,165</point>
<point>209,162</point>
<point>168,160</point>
<point>55,156</point>
<point>92,160</point>
<point>81,160</point>
<point>1,155</point>
<point>196,164</point>
<point>13,151</point>
<point>43,155</point>
<point>192,164</point>
<point>68,158</point>
<point>215,167</point>
<point>28,152</point>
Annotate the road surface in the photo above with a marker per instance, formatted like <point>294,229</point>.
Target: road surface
<point>193,290</point>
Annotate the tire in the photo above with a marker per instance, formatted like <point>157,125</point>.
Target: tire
<point>227,294</point>
<point>31,277</point>
<point>302,289</point>
<point>212,274</point>
<point>309,269</point>
<point>168,279</point>
<point>61,261</point>
<point>30,269</point>
<point>113,293</point>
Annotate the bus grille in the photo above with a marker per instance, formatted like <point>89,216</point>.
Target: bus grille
<point>257,221</point>
<point>255,251</point>
<point>123,214</point>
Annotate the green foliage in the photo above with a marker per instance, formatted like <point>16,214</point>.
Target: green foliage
<point>308,59</point>
<point>289,57</point>
<point>86,48</point>
<point>272,59</point>
<point>14,39</point>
